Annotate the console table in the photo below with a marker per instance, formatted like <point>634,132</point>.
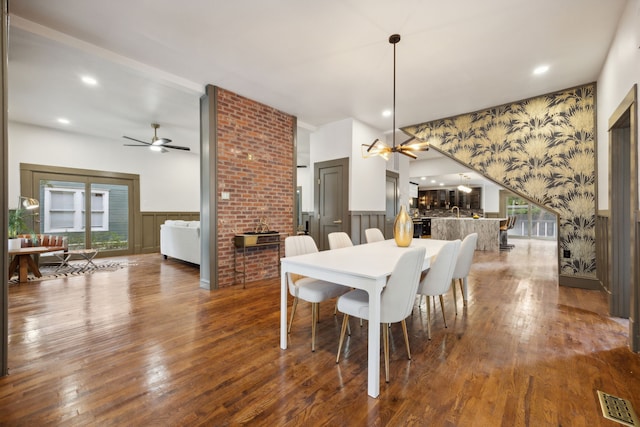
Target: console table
<point>252,240</point>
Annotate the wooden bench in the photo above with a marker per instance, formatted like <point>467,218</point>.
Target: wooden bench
<point>46,240</point>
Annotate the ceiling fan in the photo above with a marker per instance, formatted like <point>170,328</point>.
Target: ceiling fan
<point>156,144</point>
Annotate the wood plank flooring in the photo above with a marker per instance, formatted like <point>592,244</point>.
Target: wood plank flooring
<point>145,346</point>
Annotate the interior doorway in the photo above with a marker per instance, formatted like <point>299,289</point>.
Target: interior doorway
<point>392,197</point>
<point>624,280</point>
<point>331,199</point>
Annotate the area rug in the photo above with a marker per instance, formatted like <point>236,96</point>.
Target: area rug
<point>73,269</point>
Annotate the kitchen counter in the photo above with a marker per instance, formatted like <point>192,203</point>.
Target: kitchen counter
<point>452,228</point>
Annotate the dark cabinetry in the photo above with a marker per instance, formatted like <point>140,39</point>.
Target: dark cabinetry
<point>446,198</point>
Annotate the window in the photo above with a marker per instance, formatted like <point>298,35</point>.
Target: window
<point>64,210</point>
<point>532,221</point>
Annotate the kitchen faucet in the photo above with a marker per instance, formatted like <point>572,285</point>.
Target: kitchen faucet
<point>457,208</point>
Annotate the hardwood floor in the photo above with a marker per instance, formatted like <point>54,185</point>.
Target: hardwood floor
<point>145,346</point>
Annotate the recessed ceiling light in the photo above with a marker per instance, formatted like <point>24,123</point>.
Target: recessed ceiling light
<point>386,113</point>
<point>442,184</point>
<point>63,121</point>
<point>541,69</point>
<point>89,81</point>
<point>423,178</point>
<point>433,181</point>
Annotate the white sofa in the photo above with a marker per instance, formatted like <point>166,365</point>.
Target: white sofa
<point>181,240</point>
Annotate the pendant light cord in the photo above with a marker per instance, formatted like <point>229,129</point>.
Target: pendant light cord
<point>394,39</point>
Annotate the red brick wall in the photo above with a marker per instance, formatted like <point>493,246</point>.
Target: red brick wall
<point>260,186</point>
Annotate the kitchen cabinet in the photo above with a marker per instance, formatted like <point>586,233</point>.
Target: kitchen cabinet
<point>446,198</point>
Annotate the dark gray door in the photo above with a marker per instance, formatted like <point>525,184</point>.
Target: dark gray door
<point>331,199</point>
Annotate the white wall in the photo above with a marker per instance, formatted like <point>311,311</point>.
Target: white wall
<point>368,176</point>
<point>168,182</point>
<point>437,166</point>
<point>343,139</point>
<point>619,73</point>
<point>305,177</point>
<point>490,198</point>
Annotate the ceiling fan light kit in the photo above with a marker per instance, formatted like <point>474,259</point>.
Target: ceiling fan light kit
<point>156,144</point>
<point>379,148</point>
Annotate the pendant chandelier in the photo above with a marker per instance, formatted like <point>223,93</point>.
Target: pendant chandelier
<point>462,186</point>
<point>379,148</point>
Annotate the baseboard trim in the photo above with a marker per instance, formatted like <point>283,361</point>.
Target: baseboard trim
<point>591,283</point>
<point>205,284</point>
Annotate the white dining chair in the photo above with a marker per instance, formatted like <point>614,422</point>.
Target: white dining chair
<point>306,288</point>
<point>396,301</point>
<point>437,279</point>
<point>463,266</point>
<point>373,235</point>
<point>339,239</point>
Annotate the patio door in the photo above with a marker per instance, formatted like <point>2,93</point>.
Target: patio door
<point>532,221</point>
<point>93,212</point>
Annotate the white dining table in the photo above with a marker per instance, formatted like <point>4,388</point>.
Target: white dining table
<point>366,267</point>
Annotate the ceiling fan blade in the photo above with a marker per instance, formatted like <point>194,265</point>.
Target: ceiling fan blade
<point>135,145</point>
<point>177,147</point>
<point>137,140</point>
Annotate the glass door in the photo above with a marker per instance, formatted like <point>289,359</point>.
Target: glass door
<point>109,219</point>
<point>62,210</point>
<point>532,221</point>
<point>92,212</point>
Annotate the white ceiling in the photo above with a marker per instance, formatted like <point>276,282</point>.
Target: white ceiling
<point>319,61</point>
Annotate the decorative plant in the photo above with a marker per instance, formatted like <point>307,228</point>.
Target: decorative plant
<point>17,223</point>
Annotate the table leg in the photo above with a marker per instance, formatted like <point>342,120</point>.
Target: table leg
<point>88,257</point>
<point>26,263</point>
<point>33,266</point>
<point>283,308</point>
<point>64,260</point>
<point>374,341</point>
<point>13,266</point>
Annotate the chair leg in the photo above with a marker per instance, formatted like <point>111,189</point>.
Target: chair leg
<point>406,338</point>
<point>314,320</point>
<point>464,296</point>
<point>345,322</point>
<point>428,317</point>
<point>385,341</point>
<point>293,311</point>
<point>442,309</point>
<point>455,297</point>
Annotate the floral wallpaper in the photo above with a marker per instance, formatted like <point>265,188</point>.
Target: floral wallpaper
<point>542,148</point>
